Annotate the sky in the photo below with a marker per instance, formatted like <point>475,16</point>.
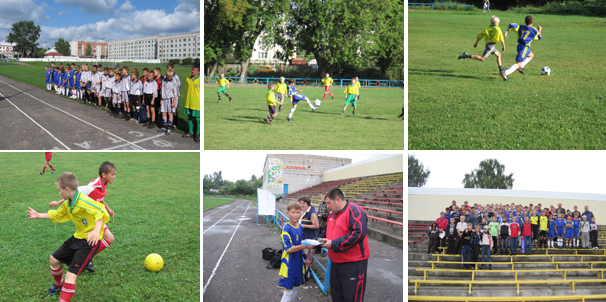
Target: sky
<point>234,166</point>
<point>554,171</point>
<point>100,20</point>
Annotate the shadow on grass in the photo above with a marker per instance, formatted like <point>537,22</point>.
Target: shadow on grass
<point>444,73</point>
<point>249,119</point>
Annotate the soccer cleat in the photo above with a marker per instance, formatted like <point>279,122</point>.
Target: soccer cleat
<point>151,125</point>
<point>504,76</point>
<point>53,171</point>
<point>54,290</point>
<point>187,135</point>
<point>90,267</point>
<point>196,138</point>
<point>341,113</point>
<point>83,102</point>
<point>42,173</point>
<point>401,115</point>
<point>219,101</point>
<point>265,119</point>
<point>463,56</point>
<point>354,113</point>
<point>161,130</point>
<point>132,120</point>
<point>521,70</point>
<point>230,99</point>
<point>136,122</point>
<point>289,119</point>
<point>167,132</point>
<point>333,97</point>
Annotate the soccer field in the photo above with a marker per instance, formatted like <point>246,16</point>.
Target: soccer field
<point>240,125</point>
<point>465,104</point>
<point>156,199</point>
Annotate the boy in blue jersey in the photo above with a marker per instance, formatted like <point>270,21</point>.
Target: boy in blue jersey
<point>77,79</point>
<point>47,78</point>
<point>576,234</point>
<point>560,229</point>
<point>526,34</point>
<point>551,233</point>
<point>492,35</point>
<point>293,258</point>
<point>295,98</point>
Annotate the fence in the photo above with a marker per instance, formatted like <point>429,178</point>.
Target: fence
<point>440,5</point>
<point>309,82</point>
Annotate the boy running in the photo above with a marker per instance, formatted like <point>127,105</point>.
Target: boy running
<point>271,104</point>
<point>350,96</point>
<point>526,34</point>
<point>295,98</point>
<point>327,81</point>
<point>221,82</point>
<point>47,160</point>
<point>89,217</point>
<point>492,35</point>
<point>281,89</point>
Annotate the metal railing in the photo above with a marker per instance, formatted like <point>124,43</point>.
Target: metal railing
<point>308,82</point>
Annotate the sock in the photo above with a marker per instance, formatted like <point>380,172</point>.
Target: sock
<point>58,276</point>
<point>67,292</point>
<point>103,244</point>
<point>291,112</point>
<point>310,104</point>
<point>343,111</point>
<point>525,62</point>
<point>44,169</point>
<point>190,124</point>
<point>294,295</point>
<point>51,166</point>
<point>227,95</point>
<point>511,69</point>
<point>331,94</point>
<point>197,125</point>
<point>219,96</point>
<point>170,123</point>
<point>354,111</point>
<point>324,97</point>
<point>287,297</point>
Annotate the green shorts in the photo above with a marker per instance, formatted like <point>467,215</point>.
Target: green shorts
<point>221,89</point>
<point>193,113</point>
<point>351,98</point>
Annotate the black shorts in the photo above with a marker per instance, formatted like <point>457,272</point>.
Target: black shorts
<point>135,100</point>
<point>272,109</point>
<point>76,253</point>
<point>147,98</point>
<point>543,233</point>
<point>535,230</point>
<point>158,101</point>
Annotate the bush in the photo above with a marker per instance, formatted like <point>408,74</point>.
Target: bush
<point>175,61</point>
<point>586,8</point>
<point>197,61</point>
<point>187,61</point>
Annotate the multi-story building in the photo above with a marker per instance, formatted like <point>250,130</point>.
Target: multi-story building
<point>160,47</point>
<point>6,49</point>
<point>78,48</point>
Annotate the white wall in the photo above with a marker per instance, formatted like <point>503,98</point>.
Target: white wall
<point>378,165</point>
<point>89,60</point>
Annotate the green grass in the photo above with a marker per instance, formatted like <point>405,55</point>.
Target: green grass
<point>240,125</point>
<point>156,198</point>
<point>33,74</point>
<point>209,203</point>
<point>464,104</point>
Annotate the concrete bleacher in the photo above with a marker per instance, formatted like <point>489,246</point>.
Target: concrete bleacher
<point>552,274</point>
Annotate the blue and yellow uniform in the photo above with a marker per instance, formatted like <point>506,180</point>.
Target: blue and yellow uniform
<point>569,229</point>
<point>71,78</point>
<point>296,97</point>
<point>526,34</point>
<point>293,264</point>
<point>560,224</point>
<point>77,77</point>
<point>552,227</point>
<point>55,77</point>
<point>576,223</point>
<point>47,77</point>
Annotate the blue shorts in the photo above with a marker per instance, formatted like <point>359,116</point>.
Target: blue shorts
<point>272,109</point>
<point>576,233</point>
<point>560,233</point>
<point>523,52</point>
<point>551,233</point>
<point>298,97</point>
<point>569,233</point>
<point>87,87</point>
<point>290,283</point>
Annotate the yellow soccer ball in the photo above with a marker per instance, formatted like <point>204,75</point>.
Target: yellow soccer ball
<point>154,262</point>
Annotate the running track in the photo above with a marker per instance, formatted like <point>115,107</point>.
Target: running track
<point>34,119</point>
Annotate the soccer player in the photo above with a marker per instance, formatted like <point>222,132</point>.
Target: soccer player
<point>295,98</point>
<point>103,92</point>
<point>127,82</point>
<point>47,160</point>
<point>110,81</point>
<point>402,115</point>
<point>94,79</point>
<point>350,96</point>
<point>526,34</point>
<point>56,79</point>
<point>61,78</point>
<point>327,81</point>
<point>560,224</point>
<point>576,232</point>
<point>136,96</point>
<point>150,95</point>
<point>170,101</point>
<point>281,90</point>
<point>293,258</point>
<point>357,88</point>
<point>271,103</point>
<point>47,78</point>
<point>171,67</point>
<point>78,83</point>
<point>85,84</point>
<point>221,82</point>
<point>70,81</point>
<point>492,35</point>
<point>192,103</point>
<point>117,100</point>
<point>89,218</point>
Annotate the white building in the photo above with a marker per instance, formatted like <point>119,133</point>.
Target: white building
<point>262,56</point>
<point>6,49</point>
<point>160,47</point>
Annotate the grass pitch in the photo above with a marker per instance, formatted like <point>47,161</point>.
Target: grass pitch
<point>209,203</point>
<point>465,104</point>
<point>156,198</point>
<point>240,125</point>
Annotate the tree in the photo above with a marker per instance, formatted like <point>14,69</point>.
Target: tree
<point>490,175</point>
<point>103,56</point>
<point>88,51</point>
<point>417,175</point>
<point>40,52</point>
<point>62,47</point>
<point>389,37</point>
<point>175,61</point>
<point>25,34</point>
<point>187,61</point>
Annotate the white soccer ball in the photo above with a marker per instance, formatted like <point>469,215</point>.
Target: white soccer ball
<point>318,102</point>
<point>546,71</point>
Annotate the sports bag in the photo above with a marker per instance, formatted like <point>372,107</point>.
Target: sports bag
<point>268,253</point>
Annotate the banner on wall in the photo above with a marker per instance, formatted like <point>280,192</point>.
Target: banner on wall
<point>266,203</point>
<point>275,172</point>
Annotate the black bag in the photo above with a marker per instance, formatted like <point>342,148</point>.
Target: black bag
<point>307,275</point>
<point>276,260</point>
<point>268,253</point>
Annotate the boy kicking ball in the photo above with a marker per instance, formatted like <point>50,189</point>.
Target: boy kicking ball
<point>526,34</point>
<point>271,103</point>
<point>295,98</point>
<point>47,160</point>
<point>89,217</point>
<point>492,35</point>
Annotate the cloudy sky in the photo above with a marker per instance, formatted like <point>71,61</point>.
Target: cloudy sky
<point>554,171</point>
<point>100,20</point>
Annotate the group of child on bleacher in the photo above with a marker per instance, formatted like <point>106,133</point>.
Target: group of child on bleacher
<point>471,230</point>
<point>123,94</point>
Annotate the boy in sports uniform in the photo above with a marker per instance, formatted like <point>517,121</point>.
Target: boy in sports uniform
<point>55,78</point>
<point>560,229</point>
<point>293,258</point>
<point>526,34</point>
<point>158,102</point>
<point>117,100</point>
<point>170,101</point>
<point>280,92</point>
<point>350,96</point>
<point>47,78</point>
<point>103,92</point>
<point>48,156</point>
<point>127,82</point>
<point>357,85</point>
<point>150,94</point>
<point>85,84</point>
<point>576,233</point>
<point>492,35</point>
<point>61,76</point>
<point>327,81</point>
<point>89,218</point>
<point>109,86</point>
<point>171,67</point>
<point>295,98</point>
<point>192,103</point>
<point>136,96</point>
<point>271,104</point>
<point>221,82</point>
<point>543,228</point>
<point>78,83</point>
<point>551,234</point>
<point>569,231</point>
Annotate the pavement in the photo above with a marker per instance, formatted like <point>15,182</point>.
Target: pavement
<point>34,119</point>
<point>233,268</point>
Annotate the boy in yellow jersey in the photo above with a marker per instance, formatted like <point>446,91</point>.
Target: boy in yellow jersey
<point>492,35</point>
<point>327,81</point>
<point>221,82</point>
<point>350,96</point>
<point>271,103</point>
<point>357,88</point>
<point>192,103</point>
<point>88,216</point>
<point>280,92</point>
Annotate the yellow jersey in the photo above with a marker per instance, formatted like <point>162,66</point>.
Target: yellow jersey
<point>271,98</point>
<point>357,86</point>
<point>492,34</point>
<point>327,81</point>
<point>222,81</point>
<point>192,86</point>
<point>281,88</point>
<point>543,221</point>
<point>351,89</point>
<point>83,212</point>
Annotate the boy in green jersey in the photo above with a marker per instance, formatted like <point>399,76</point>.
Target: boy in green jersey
<point>492,35</point>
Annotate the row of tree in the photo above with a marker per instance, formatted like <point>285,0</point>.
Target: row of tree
<point>337,33</point>
<point>489,175</point>
<point>215,184</point>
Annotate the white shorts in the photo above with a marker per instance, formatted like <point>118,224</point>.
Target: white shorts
<point>107,92</point>
<point>115,99</point>
<point>165,105</point>
<point>95,89</point>
<point>490,49</point>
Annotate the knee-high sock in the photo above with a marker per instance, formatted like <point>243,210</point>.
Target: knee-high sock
<point>197,124</point>
<point>291,112</point>
<point>525,62</point>
<point>310,104</point>
<point>511,69</point>
<point>67,292</point>
<point>58,276</point>
<point>103,244</point>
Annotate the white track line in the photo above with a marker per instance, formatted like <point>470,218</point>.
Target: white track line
<point>222,218</point>
<point>61,110</point>
<point>136,142</point>
<point>225,250</point>
<point>66,147</point>
<point>219,210</point>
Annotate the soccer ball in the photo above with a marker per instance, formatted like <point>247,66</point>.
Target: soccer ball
<point>546,71</point>
<point>154,262</point>
<point>318,102</point>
